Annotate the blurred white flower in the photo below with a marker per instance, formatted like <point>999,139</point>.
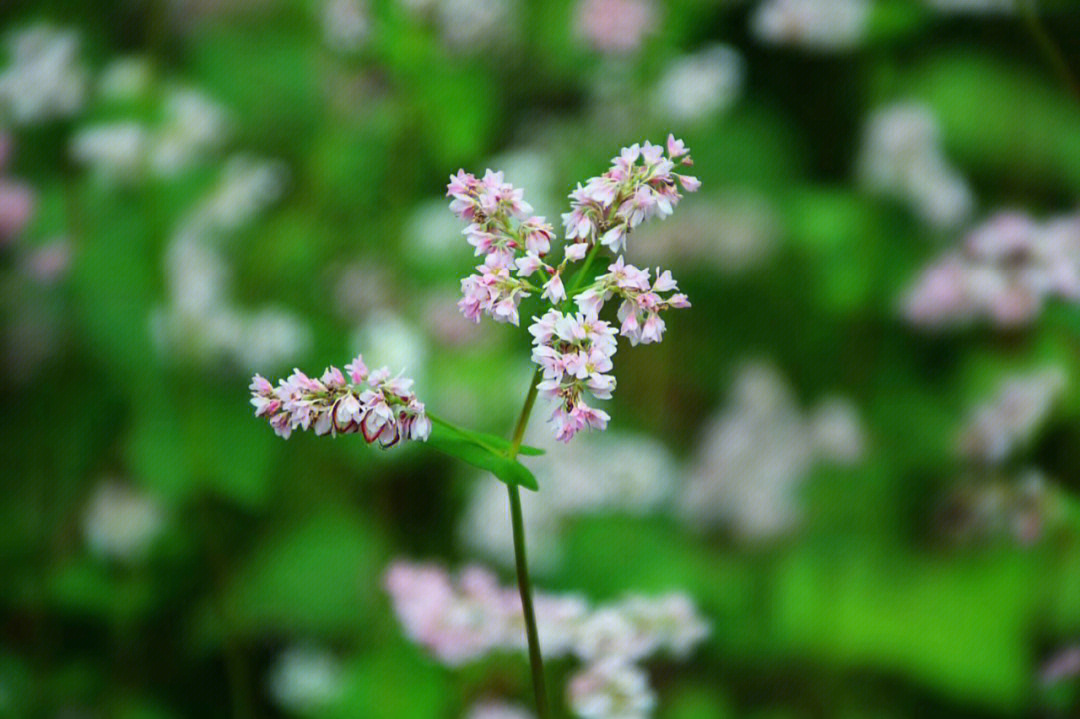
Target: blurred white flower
<point>498,710</point>
<point>346,24</point>
<point>194,125</point>
<point>610,473</point>
<point>730,232</point>
<point>611,689</point>
<point>812,24</point>
<point>390,340</point>
<point>200,320</point>
<point>470,24</point>
<point>125,150</point>
<point>1012,415</point>
<point>901,156</point>
<point>121,522</point>
<point>306,679</point>
<point>45,79</point>
<point>271,336</point>
<point>755,454</point>
<point>118,150</point>
<point>696,87</point>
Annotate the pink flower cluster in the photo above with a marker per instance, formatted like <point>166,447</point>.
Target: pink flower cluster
<point>574,352</point>
<point>642,303</point>
<point>374,404</point>
<point>1005,271</point>
<point>501,225</point>
<point>465,618</point>
<point>640,184</point>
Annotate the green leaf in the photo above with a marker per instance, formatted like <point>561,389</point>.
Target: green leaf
<point>487,440</point>
<point>464,447</point>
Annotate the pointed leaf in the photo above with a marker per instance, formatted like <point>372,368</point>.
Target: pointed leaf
<point>455,444</point>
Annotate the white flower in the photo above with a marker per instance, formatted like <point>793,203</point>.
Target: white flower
<point>389,339</point>
<point>117,150</point>
<point>497,710</point>
<point>697,86</point>
<point>901,156</point>
<point>346,25</point>
<point>756,452</point>
<point>812,24</point>
<point>45,79</point>
<point>306,680</point>
<point>194,125</point>
<point>1012,415</point>
<point>121,522</point>
<point>611,689</point>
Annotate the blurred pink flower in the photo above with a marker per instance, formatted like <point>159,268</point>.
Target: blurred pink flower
<point>615,26</point>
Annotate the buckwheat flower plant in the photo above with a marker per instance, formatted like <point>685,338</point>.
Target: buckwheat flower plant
<point>573,349</point>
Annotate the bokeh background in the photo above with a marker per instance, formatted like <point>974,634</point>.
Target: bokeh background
<point>858,453</point>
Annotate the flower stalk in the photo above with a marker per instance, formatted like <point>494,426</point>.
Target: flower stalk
<point>536,660</point>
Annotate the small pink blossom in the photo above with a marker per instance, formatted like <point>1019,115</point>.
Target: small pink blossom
<point>554,292</point>
<point>576,252</point>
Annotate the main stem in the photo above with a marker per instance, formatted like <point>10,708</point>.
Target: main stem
<point>536,661</point>
<point>524,584</point>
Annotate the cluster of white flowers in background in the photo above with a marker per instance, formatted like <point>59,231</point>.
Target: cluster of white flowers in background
<point>821,25</point>
<point>495,709</point>
<point>1005,270</point>
<point>346,24</point>
<point>754,455</point>
<point>464,618</point>
<point>121,522</point>
<point>200,319</point>
<point>732,231</point>
<point>1012,416</point>
<point>902,157</point>
<point>192,127</point>
<point>617,27</point>
<point>44,79</point>
<point>696,87</point>
<point>467,26</point>
<point>306,679</point>
<point>610,473</point>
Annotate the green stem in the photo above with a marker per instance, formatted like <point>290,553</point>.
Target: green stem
<point>583,272</point>
<point>524,584</point>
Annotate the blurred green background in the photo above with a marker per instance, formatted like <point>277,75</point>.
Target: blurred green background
<point>196,190</point>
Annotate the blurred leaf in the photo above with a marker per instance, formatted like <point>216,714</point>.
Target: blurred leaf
<point>929,619</point>
<point>321,577</point>
<point>373,685</point>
